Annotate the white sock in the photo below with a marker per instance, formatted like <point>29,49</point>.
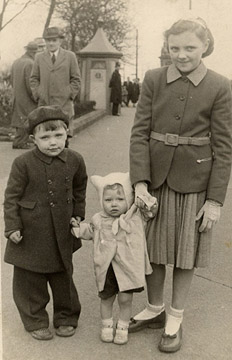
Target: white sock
<point>174,321</point>
<point>122,325</point>
<point>107,322</point>
<point>149,312</point>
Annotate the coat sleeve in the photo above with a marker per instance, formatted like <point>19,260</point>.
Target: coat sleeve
<point>75,78</point>
<point>35,79</point>
<point>27,74</point>
<point>221,130</point>
<point>16,186</point>
<point>140,135</point>
<point>79,189</point>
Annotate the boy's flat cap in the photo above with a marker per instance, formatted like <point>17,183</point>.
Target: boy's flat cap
<point>45,113</point>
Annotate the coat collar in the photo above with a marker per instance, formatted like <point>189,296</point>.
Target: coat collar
<point>196,76</point>
<point>60,58</point>
<point>48,159</point>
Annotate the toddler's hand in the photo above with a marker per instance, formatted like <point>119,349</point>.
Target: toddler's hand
<point>16,237</point>
<point>75,222</point>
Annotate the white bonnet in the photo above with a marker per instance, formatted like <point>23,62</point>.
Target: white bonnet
<point>99,182</point>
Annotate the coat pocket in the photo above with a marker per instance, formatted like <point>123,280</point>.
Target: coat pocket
<point>27,204</point>
<point>199,161</point>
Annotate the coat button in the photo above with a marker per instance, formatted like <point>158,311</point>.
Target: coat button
<point>51,192</point>
<point>177,117</point>
<point>49,182</point>
<point>185,79</point>
<point>68,201</point>
<point>182,98</point>
<point>52,204</point>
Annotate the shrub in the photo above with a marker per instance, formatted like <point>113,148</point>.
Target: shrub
<point>5,105</point>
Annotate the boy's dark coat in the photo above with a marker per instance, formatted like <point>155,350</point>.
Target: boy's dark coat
<point>42,195</point>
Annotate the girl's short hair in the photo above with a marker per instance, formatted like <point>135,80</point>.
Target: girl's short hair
<point>197,26</point>
<point>50,125</point>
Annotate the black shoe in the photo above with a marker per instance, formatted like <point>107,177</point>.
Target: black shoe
<point>171,343</point>
<point>156,322</point>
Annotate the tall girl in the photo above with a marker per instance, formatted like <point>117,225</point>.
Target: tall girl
<point>180,152</point>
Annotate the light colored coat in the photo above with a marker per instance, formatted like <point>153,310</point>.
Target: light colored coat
<point>58,83</point>
<point>122,243</point>
<point>196,105</point>
<point>23,102</point>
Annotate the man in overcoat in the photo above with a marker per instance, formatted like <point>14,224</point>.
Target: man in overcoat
<point>23,102</point>
<point>116,90</point>
<point>55,78</point>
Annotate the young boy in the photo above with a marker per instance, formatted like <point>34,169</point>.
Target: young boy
<point>45,190</point>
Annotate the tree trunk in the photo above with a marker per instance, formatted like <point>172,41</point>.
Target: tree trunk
<point>50,13</point>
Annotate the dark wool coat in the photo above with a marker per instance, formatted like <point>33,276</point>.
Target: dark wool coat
<point>23,102</point>
<point>42,195</point>
<point>116,88</point>
<point>135,93</point>
<point>198,105</point>
<point>58,83</point>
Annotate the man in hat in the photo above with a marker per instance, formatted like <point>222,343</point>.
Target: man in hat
<point>116,90</point>
<point>41,44</point>
<point>23,102</point>
<point>55,78</point>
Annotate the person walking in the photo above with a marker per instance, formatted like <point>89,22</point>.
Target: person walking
<point>180,152</point>
<point>23,102</point>
<point>116,90</point>
<point>55,78</point>
<point>129,87</point>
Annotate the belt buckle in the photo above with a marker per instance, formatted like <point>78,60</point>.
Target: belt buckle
<point>171,139</point>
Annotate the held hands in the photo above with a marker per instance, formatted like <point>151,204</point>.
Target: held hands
<point>16,237</point>
<point>144,200</point>
<point>210,211</point>
<point>75,222</point>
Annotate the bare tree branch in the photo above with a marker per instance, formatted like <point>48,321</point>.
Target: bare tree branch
<point>4,7</point>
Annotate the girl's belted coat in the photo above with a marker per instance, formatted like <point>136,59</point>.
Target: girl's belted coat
<point>42,195</point>
<point>196,105</point>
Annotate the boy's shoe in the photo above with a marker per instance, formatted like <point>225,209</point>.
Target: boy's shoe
<point>121,336</point>
<point>65,331</point>
<point>107,334</point>
<point>42,334</point>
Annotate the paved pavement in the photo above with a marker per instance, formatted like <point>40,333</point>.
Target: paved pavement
<point>208,316</point>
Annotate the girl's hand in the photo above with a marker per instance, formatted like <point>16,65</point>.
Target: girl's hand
<point>143,199</point>
<point>211,212</point>
<point>16,237</point>
<point>75,222</point>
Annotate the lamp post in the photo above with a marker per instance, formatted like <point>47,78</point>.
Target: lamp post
<point>136,56</point>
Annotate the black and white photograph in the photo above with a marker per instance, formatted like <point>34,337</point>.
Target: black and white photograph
<point>115,179</point>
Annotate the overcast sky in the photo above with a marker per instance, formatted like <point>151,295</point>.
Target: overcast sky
<point>151,17</point>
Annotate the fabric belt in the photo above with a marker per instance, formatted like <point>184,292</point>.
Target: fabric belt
<point>175,140</point>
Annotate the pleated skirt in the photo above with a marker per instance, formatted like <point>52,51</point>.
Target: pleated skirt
<point>173,236</point>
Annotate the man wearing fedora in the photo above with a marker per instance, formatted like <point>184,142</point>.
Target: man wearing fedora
<point>55,78</point>
<point>23,102</point>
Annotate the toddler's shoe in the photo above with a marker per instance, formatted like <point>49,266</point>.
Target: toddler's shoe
<point>107,334</point>
<point>121,336</point>
<point>42,334</point>
<point>65,331</point>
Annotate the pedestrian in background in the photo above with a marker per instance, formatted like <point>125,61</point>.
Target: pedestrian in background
<point>180,152</point>
<point>129,87</point>
<point>23,102</point>
<point>135,92</point>
<point>55,78</point>
<point>120,254</point>
<point>124,95</point>
<point>45,190</point>
<point>116,90</point>
<point>41,44</point>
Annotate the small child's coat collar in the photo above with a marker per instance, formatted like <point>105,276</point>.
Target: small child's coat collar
<point>196,76</point>
<point>48,159</point>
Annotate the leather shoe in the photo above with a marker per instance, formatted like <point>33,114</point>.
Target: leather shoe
<point>65,331</point>
<point>156,322</point>
<point>171,343</point>
<point>42,334</point>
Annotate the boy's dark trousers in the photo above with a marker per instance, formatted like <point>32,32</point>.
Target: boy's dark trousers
<point>30,292</point>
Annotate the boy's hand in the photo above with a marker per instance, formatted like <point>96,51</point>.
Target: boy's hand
<point>75,222</point>
<point>16,237</point>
